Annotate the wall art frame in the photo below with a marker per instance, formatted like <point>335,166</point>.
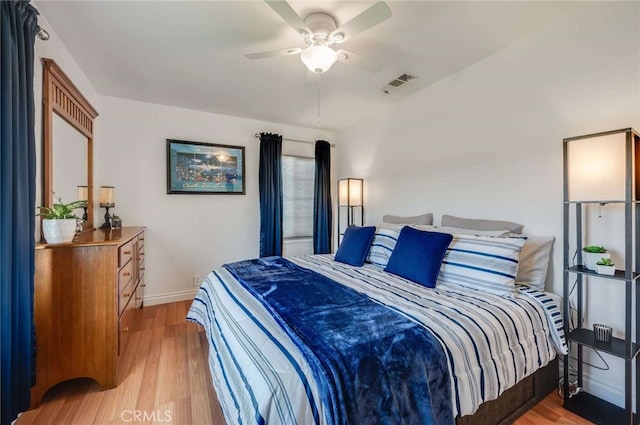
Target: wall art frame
<point>197,168</point>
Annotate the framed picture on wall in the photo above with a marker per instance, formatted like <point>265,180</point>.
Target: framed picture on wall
<point>204,168</point>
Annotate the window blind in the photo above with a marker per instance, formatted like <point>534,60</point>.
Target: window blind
<point>297,181</point>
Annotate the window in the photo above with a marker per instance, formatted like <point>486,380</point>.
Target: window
<point>297,199</point>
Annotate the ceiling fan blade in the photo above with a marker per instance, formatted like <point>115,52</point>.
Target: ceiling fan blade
<point>272,53</point>
<point>290,16</point>
<point>351,58</point>
<point>377,13</point>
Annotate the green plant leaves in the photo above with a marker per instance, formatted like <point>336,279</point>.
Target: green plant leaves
<point>595,249</point>
<point>605,262</point>
<point>60,210</point>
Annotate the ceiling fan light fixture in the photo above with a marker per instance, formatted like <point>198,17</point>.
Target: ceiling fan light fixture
<point>318,58</point>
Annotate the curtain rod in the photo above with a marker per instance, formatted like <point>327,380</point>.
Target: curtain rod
<point>333,145</point>
<point>42,34</point>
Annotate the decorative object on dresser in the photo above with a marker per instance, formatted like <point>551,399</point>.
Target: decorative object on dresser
<point>602,169</point>
<point>83,195</point>
<point>350,204</point>
<point>59,224</point>
<point>106,201</point>
<point>87,295</point>
<point>116,222</point>
<point>204,168</point>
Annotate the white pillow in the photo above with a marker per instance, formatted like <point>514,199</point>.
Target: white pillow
<point>483,263</point>
<point>384,240</point>
<point>534,261</point>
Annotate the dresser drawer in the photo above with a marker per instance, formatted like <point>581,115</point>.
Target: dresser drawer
<point>140,293</point>
<point>125,296</point>
<point>124,276</point>
<point>125,323</point>
<point>125,252</point>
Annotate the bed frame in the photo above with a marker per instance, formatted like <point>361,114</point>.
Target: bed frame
<point>514,402</point>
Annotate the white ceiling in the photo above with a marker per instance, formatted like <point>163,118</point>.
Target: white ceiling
<point>191,54</point>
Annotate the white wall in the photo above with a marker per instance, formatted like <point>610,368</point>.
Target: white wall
<point>186,235</point>
<point>487,141</point>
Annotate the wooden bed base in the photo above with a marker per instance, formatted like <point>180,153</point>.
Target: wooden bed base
<point>514,402</point>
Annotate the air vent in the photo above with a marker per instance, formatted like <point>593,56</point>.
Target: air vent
<point>395,84</point>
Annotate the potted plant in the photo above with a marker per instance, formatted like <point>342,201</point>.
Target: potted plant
<point>592,254</point>
<point>59,223</point>
<point>605,266</point>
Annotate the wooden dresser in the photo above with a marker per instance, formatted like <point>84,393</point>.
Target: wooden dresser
<point>87,294</point>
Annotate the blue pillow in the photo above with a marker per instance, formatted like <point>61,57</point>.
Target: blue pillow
<point>355,245</point>
<point>418,255</point>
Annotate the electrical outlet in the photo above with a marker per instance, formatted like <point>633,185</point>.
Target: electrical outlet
<point>197,280</point>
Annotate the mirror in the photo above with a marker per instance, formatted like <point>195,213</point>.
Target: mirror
<point>67,127</point>
<point>69,160</point>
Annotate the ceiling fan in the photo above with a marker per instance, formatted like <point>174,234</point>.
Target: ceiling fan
<point>320,33</point>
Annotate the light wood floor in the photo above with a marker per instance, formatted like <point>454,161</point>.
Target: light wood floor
<point>167,382</point>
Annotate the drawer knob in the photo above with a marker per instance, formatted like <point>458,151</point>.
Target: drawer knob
<point>143,285</point>
<point>126,329</point>
<point>126,274</point>
<point>127,253</point>
<point>126,295</point>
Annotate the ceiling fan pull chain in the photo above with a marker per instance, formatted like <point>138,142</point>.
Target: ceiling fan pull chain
<point>318,93</point>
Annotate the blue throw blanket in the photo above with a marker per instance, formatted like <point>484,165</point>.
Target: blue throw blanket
<point>371,364</point>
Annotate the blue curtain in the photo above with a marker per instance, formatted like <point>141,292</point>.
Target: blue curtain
<point>270,188</point>
<point>322,219</point>
<point>17,206</point>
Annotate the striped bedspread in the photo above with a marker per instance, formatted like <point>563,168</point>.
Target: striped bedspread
<point>491,342</point>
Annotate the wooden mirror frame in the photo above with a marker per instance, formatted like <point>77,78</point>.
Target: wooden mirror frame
<point>61,96</point>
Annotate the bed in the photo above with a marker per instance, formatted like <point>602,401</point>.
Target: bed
<point>372,346</point>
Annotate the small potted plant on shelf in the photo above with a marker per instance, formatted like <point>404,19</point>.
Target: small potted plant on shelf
<point>605,266</point>
<point>592,254</point>
<point>59,222</point>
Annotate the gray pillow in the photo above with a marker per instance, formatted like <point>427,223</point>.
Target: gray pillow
<point>480,224</point>
<point>417,219</point>
<point>534,261</point>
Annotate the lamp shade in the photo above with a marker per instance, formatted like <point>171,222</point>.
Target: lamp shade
<point>83,193</point>
<point>106,195</point>
<point>596,168</point>
<point>350,192</point>
<point>318,58</point>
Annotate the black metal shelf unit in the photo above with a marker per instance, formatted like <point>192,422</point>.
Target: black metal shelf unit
<point>584,404</point>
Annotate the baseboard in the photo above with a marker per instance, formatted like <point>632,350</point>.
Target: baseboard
<point>170,297</point>
<point>604,390</point>
<point>601,388</point>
